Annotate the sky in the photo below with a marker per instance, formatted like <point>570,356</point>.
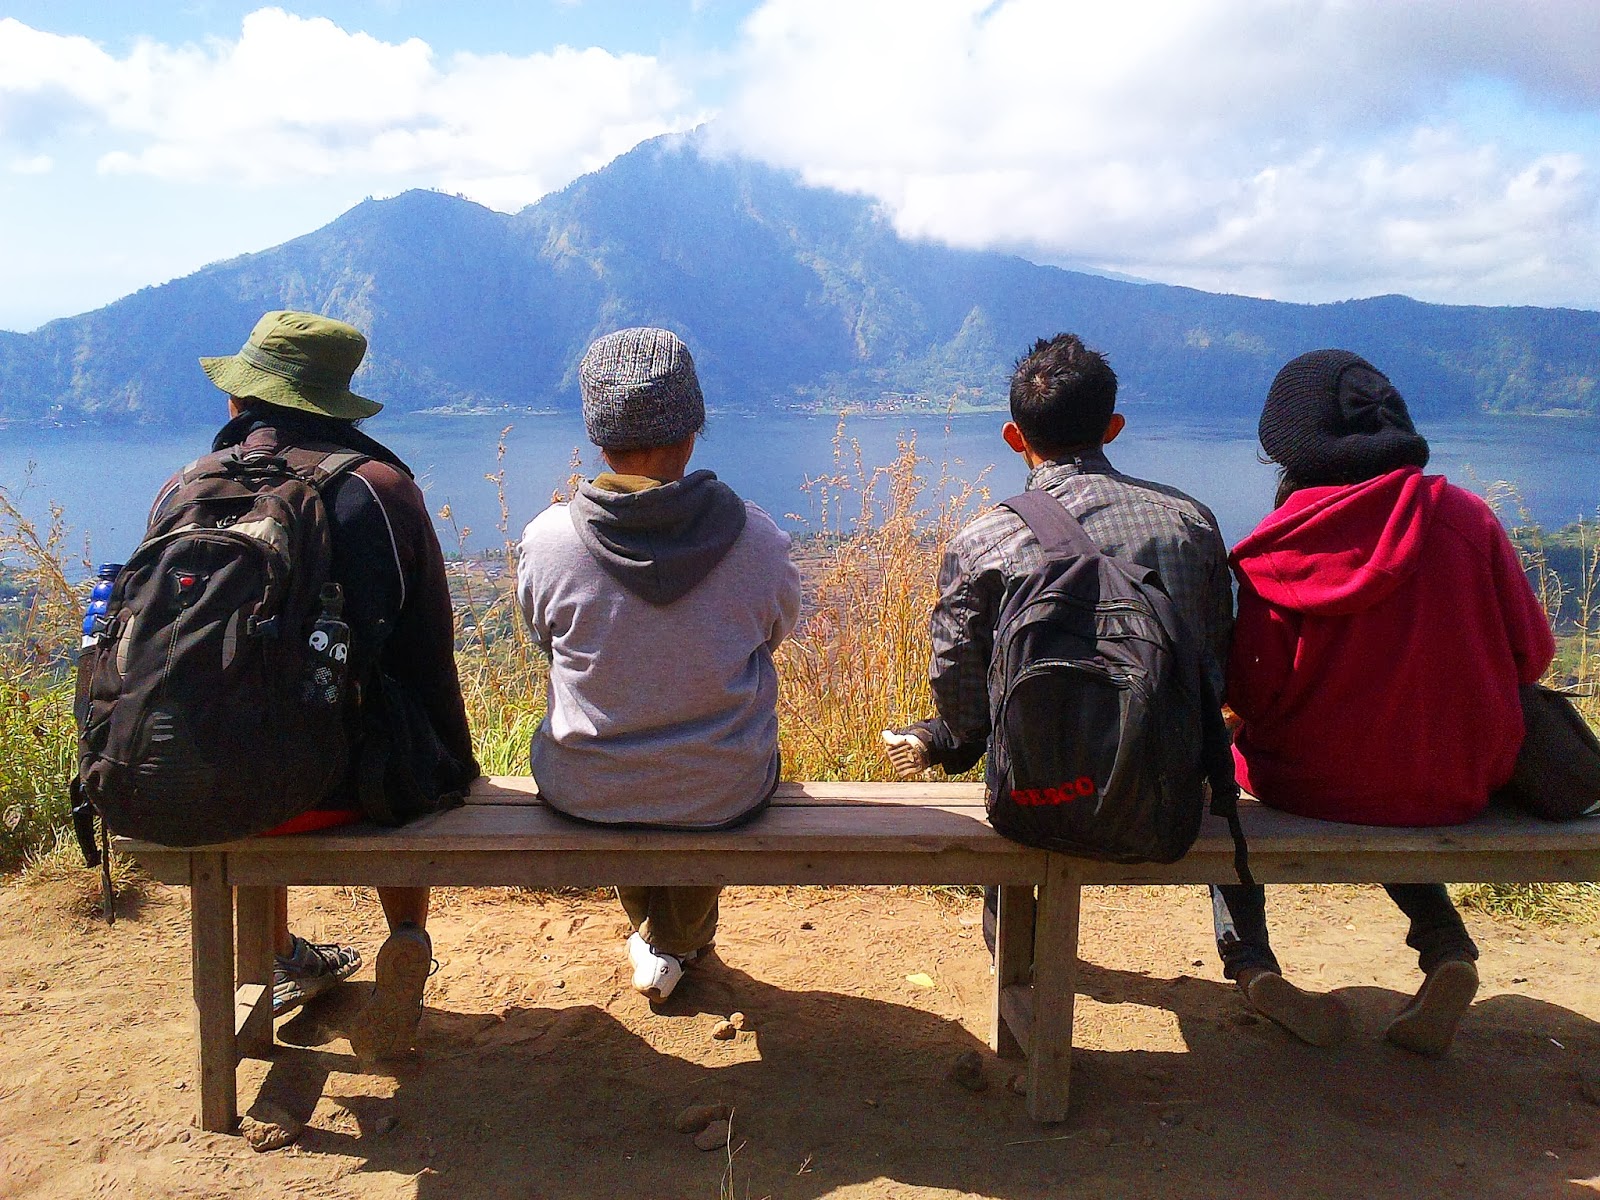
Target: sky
<point>1305,150</point>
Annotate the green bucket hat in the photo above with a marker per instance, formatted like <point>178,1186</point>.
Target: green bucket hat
<point>297,360</point>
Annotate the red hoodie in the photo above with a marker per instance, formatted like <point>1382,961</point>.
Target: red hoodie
<point>1383,629</point>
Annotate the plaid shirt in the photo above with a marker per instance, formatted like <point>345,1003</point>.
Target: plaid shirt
<point>1147,523</point>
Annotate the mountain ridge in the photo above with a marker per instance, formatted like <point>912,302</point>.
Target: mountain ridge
<point>789,296</point>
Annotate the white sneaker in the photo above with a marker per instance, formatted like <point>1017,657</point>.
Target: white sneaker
<point>654,974</point>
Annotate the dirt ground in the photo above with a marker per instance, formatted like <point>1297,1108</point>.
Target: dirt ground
<point>540,1073</point>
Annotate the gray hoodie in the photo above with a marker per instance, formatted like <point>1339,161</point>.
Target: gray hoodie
<point>660,606</point>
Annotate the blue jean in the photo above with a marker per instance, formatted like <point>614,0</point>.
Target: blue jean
<point>1240,915</point>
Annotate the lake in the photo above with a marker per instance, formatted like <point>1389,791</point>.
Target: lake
<point>106,479</point>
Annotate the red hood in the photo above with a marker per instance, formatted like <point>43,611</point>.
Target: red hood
<point>1336,550</point>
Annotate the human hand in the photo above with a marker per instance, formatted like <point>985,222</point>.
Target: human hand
<point>907,752</point>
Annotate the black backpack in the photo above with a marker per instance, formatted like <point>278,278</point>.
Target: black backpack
<point>213,702</point>
<point>1106,733</point>
<point>1557,774</point>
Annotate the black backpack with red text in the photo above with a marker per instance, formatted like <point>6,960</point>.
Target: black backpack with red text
<point>1106,740</point>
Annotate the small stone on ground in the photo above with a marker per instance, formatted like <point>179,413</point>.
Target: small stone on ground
<point>967,1071</point>
<point>268,1127</point>
<point>697,1116</point>
<point>714,1136</point>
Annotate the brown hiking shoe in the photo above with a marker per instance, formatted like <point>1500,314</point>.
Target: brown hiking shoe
<point>388,1024</point>
<point>1316,1018</point>
<point>1427,1024</point>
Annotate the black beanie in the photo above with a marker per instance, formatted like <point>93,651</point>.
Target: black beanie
<point>1332,417</point>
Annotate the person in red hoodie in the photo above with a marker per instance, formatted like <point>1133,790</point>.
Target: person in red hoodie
<point>1384,625</point>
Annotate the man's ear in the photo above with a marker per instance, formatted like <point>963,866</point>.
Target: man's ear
<point>1013,437</point>
<point>1114,426</point>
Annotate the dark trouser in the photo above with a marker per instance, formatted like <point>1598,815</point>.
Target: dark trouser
<point>675,920</point>
<point>1240,916</point>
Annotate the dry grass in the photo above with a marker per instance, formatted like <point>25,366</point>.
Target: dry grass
<point>1571,599</point>
<point>502,675</point>
<point>1534,903</point>
<point>1565,570</point>
<point>38,634</point>
<point>859,662</point>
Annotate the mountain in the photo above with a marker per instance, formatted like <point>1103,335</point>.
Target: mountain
<point>788,295</point>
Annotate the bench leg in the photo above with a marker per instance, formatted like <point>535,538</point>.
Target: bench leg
<point>1013,962</point>
<point>1055,969</point>
<point>253,909</point>
<point>211,972</point>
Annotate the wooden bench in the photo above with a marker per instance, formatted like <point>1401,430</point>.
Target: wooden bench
<point>815,833</point>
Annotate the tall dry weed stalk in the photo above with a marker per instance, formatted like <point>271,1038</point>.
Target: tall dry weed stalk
<point>502,675</point>
<point>37,636</point>
<point>859,661</point>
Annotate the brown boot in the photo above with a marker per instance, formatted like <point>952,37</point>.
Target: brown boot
<point>386,1027</point>
<point>1427,1024</point>
<point>1318,1019</point>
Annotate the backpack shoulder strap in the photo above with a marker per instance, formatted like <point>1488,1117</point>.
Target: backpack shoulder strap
<point>321,468</point>
<point>207,464</point>
<point>1058,531</point>
<point>334,465</point>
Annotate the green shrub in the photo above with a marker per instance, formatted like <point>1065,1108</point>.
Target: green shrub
<point>38,637</point>
<point>37,749</point>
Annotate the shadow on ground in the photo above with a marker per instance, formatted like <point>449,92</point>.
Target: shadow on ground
<point>834,1092</point>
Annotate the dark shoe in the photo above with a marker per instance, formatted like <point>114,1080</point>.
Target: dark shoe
<point>309,970</point>
<point>1317,1019</point>
<point>1427,1024</point>
<point>388,1024</point>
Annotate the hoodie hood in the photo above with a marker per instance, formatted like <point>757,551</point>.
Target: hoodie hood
<point>662,541</point>
<point>1338,550</point>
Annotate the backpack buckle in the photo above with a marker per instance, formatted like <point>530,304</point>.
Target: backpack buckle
<point>186,586</point>
<point>256,627</point>
<point>257,461</point>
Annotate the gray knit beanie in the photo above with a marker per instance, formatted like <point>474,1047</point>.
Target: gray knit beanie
<point>1332,417</point>
<point>639,390</point>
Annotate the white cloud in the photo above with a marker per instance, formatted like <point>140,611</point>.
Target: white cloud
<point>1304,149</point>
<point>34,164</point>
<point>295,98</point>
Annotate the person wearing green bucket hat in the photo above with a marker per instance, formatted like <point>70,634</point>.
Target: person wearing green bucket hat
<point>288,388</point>
<point>297,360</point>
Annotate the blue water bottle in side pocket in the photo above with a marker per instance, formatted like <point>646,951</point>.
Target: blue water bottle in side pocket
<point>99,601</point>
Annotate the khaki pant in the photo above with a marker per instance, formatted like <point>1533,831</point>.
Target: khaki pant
<point>674,920</point>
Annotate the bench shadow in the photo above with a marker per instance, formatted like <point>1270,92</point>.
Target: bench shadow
<point>832,1091</point>
<point>1505,1113</point>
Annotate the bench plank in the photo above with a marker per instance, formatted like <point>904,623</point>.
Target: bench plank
<point>882,827</point>
<point>834,843</point>
<point>403,867</point>
<point>521,790</point>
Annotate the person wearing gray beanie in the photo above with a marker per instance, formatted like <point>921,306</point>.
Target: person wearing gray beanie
<point>659,596</point>
<point>640,389</point>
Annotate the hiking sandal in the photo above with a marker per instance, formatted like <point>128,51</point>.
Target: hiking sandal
<point>310,969</point>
